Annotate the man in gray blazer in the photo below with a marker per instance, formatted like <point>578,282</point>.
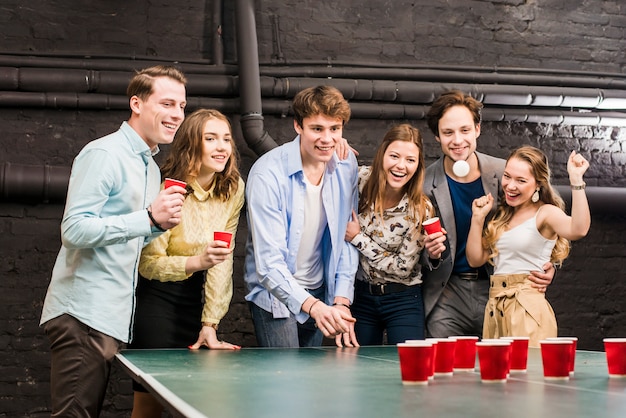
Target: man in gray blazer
<point>455,294</point>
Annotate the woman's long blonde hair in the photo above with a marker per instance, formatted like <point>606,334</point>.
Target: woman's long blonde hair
<point>373,193</point>
<point>540,170</point>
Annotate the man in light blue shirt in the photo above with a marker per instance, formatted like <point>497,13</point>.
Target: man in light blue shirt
<point>113,209</point>
<point>299,269</point>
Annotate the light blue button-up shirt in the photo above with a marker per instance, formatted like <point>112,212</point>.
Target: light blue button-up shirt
<point>105,225</point>
<point>275,194</point>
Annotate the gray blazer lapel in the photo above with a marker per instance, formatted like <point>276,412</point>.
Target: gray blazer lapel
<point>442,200</point>
<point>491,170</point>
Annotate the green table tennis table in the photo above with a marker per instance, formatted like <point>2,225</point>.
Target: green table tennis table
<point>361,382</point>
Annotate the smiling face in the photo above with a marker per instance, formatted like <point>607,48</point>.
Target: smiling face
<point>458,133</point>
<point>518,182</point>
<point>318,136</point>
<point>400,162</point>
<point>217,146</point>
<point>157,117</point>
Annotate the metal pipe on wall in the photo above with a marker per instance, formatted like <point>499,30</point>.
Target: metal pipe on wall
<point>92,87</point>
<point>252,126</point>
<point>218,45</point>
<point>532,100</point>
<point>33,183</point>
<point>48,184</point>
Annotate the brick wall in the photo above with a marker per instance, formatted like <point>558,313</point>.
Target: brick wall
<point>588,293</point>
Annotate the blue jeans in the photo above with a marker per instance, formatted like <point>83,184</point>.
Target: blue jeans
<point>401,314</point>
<point>286,332</point>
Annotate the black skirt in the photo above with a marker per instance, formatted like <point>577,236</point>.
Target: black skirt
<point>168,314</point>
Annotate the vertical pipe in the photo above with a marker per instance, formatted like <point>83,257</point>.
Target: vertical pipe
<point>252,125</point>
<point>216,27</point>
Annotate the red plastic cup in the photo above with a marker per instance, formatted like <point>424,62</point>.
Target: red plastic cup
<point>465,353</point>
<point>555,355</point>
<point>572,359</point>
<point>616,356</point>
<point>223,236</point>
<point>444,361</point>
<point>432,225</point>
<point>434,342</point>
<point>519,353</point>
<point>494,357</point>
<point>416,358</point>
<point>173,182</point>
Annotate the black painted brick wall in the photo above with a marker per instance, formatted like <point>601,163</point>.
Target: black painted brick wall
<point>589,35</point>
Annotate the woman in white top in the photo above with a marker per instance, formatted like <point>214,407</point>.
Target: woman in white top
<point>530,228</point>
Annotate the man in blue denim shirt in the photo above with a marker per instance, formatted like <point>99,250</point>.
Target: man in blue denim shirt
<point>300,196</point>
<point>113,209</point>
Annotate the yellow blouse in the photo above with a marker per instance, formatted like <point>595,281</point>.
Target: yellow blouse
<point>165,257</point>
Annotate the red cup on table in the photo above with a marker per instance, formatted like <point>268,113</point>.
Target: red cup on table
<point>519,353</point>
<point>572,359</point>
<point>615,356</point>
<point>465,353</point>
<point>556,357</point>
<point>433,341</point>
<point>173,182</point>
<point>223,236</point>
<point>494,358</point>
<point>444,360</point>
<point>432,225</point>
<point>416,358</point>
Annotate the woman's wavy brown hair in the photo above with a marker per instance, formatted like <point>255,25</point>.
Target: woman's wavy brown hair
<point>540,170</point>
<point>185,155</point>
<point>373,193</point>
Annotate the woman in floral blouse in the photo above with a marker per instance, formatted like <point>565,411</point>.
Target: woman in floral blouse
<point>388,234</point>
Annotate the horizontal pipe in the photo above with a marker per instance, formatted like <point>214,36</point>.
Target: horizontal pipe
<point>33,183</point>
<point>602,200</point>
<point>451,75</point>
<point>45,82</point>
<point>48,184</point>
<point>308,68</point>
<point>110,63</point>
<point>360,110</point>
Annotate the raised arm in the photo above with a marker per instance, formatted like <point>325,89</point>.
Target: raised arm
<point>577,225</point>
<point>475,252</point>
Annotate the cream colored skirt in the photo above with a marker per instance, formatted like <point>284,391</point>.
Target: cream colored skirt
<point>516,309</point>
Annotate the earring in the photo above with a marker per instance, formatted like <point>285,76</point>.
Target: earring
<point>535,197</point>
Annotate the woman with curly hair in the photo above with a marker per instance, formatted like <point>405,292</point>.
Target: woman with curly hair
<point>530,228</point>
<point>185,285</point>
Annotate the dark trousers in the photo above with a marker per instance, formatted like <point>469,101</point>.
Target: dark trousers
<point>80,368</point>
<point>460,309</point>
<point>400,314</point>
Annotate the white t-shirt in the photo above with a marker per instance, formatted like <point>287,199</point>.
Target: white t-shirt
<point>309,266</point>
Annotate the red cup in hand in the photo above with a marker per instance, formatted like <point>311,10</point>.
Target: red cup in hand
<point>173,182</point>
<point>432,225</point>
<point>223,236</point>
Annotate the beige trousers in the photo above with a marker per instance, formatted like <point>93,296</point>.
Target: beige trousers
<point>516,309</point>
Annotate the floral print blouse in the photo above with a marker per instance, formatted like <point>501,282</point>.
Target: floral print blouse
<point>389,251</point>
